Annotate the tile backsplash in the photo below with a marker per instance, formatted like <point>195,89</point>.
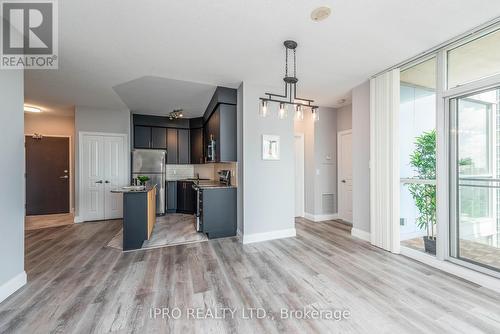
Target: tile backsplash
<point>179,172</point>
<point>206,171</point>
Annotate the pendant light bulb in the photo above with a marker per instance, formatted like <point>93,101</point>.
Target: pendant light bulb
<point>282,113</point>
<point>315,114</point>
<point>264,109</point>
<point>299,113</point>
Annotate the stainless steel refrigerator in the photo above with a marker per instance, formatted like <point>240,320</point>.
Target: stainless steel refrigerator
<point>151,163</point>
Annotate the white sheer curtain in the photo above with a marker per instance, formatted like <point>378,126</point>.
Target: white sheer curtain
<point>384,161</point>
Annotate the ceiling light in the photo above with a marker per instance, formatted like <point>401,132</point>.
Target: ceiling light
<point>290,94</point>
<point>32,109</point>
<point>282,113</point>
<point>320,13</point>
<point>177,113</point>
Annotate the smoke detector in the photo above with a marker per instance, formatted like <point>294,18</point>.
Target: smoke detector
<point>320,13</point>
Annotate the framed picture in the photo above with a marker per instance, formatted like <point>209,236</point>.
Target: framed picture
<point>270,147</point>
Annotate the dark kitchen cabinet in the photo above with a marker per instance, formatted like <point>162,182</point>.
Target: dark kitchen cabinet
<point>159,138</point>
<point>196,143</point>
<point>183,148</point>
<point>172,156</point>
<point>178,148</point>
<point>150,137</point>
<point>171,196</point>
<point>221,126</point>
<point>142,136</point>
<point>186,197</point>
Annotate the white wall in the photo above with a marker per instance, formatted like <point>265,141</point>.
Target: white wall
<point>268,186</point>
<point>344,118</point>
<point>97,120</point>
<point>306,127</point>
<point>361,156</point>
<point>325,157</point>
<point>12,196</point>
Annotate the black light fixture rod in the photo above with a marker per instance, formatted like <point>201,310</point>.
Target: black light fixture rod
<point>309,105</point>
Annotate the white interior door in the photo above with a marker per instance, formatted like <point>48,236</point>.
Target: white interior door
<point>114,176</point>
<point>103,164</point>
<point>299,175</point>
<point>344,160</point>
<point>92,177</point>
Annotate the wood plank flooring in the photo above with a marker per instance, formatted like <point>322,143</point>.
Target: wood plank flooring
<point>44,221</point>
<point>78,285</point>
<point>171,229</point>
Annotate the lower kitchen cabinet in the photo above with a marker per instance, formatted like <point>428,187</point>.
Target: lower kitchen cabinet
<point>171,196</point>
<point>218,212</point>
<point>186,197</point>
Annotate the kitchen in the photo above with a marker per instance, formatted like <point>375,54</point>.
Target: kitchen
<point>190,166</point>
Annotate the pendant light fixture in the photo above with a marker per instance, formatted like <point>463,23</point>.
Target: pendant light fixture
<point>290,96</point>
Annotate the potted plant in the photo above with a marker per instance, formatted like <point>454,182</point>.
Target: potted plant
<point>423,161</point>
<point>143,179</point>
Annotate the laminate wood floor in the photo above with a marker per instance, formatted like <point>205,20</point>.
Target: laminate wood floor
<point>78,285</point>
<point>171,229</point>
<point>45,221</point>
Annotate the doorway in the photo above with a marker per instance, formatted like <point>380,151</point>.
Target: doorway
<point>299,175</point>
<point>344,180</point>
<point>47,175</point>
<point>475,178</point>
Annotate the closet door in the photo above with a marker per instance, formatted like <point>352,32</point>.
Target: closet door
<point>92,177</point>
<point>114,175</point>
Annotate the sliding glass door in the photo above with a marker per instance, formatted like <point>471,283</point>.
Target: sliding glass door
<point>475,178</point>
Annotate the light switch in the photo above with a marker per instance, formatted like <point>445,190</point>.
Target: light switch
<point>317,172</point>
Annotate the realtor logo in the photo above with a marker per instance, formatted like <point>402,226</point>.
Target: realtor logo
<point>29,34</point>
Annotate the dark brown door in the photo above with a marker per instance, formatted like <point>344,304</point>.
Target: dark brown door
<point>47,175</point>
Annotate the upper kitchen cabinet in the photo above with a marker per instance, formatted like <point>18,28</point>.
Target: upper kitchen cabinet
<point>142,136</point>
<point>220,126</point>
<point>150,137</point>
<point>196,142</point>
<point>159,138</point>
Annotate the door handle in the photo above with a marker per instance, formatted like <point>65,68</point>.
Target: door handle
<point>343,181</point>
<point>107,181</point>
<point>63,177</point>
<point>100,181</point>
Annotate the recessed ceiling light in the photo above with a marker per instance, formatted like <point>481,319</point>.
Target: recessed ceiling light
<point>32,109</point>
<point>320,13</point>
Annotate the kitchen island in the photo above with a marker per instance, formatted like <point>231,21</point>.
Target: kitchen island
<point>139,215</point>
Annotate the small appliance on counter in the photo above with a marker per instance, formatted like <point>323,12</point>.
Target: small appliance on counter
<point>225,177</point>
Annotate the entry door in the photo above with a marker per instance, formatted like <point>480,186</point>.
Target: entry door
<point>47,175</point>
<point>344,160</point>
<point>102,162</point>
<point>299,176</point>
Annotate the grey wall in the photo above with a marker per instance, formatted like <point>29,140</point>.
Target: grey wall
<point>361,156</point>
<point>12,171</point>
<point>344,118</point>
<point>306,127</point>
<point>96,120</point>
<point>320,145</point>
<point>268,186</point>
<point>325,157</point>
<point>239,126</point>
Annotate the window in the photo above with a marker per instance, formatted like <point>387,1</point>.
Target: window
<point>475,60</point>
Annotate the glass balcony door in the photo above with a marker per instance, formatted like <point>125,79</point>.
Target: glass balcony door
<point>475,178</point>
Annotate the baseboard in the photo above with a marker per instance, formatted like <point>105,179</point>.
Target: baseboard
<point>360,234</point>
<point>279,234</point>
<point>12,285</point>
<point>321,218</point>
<point>78,219</point>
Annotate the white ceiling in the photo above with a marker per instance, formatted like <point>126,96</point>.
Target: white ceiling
<point>160,96</point>
<point>105,44</point>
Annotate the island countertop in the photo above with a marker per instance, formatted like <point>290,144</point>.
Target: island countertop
<point>125,190</point>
